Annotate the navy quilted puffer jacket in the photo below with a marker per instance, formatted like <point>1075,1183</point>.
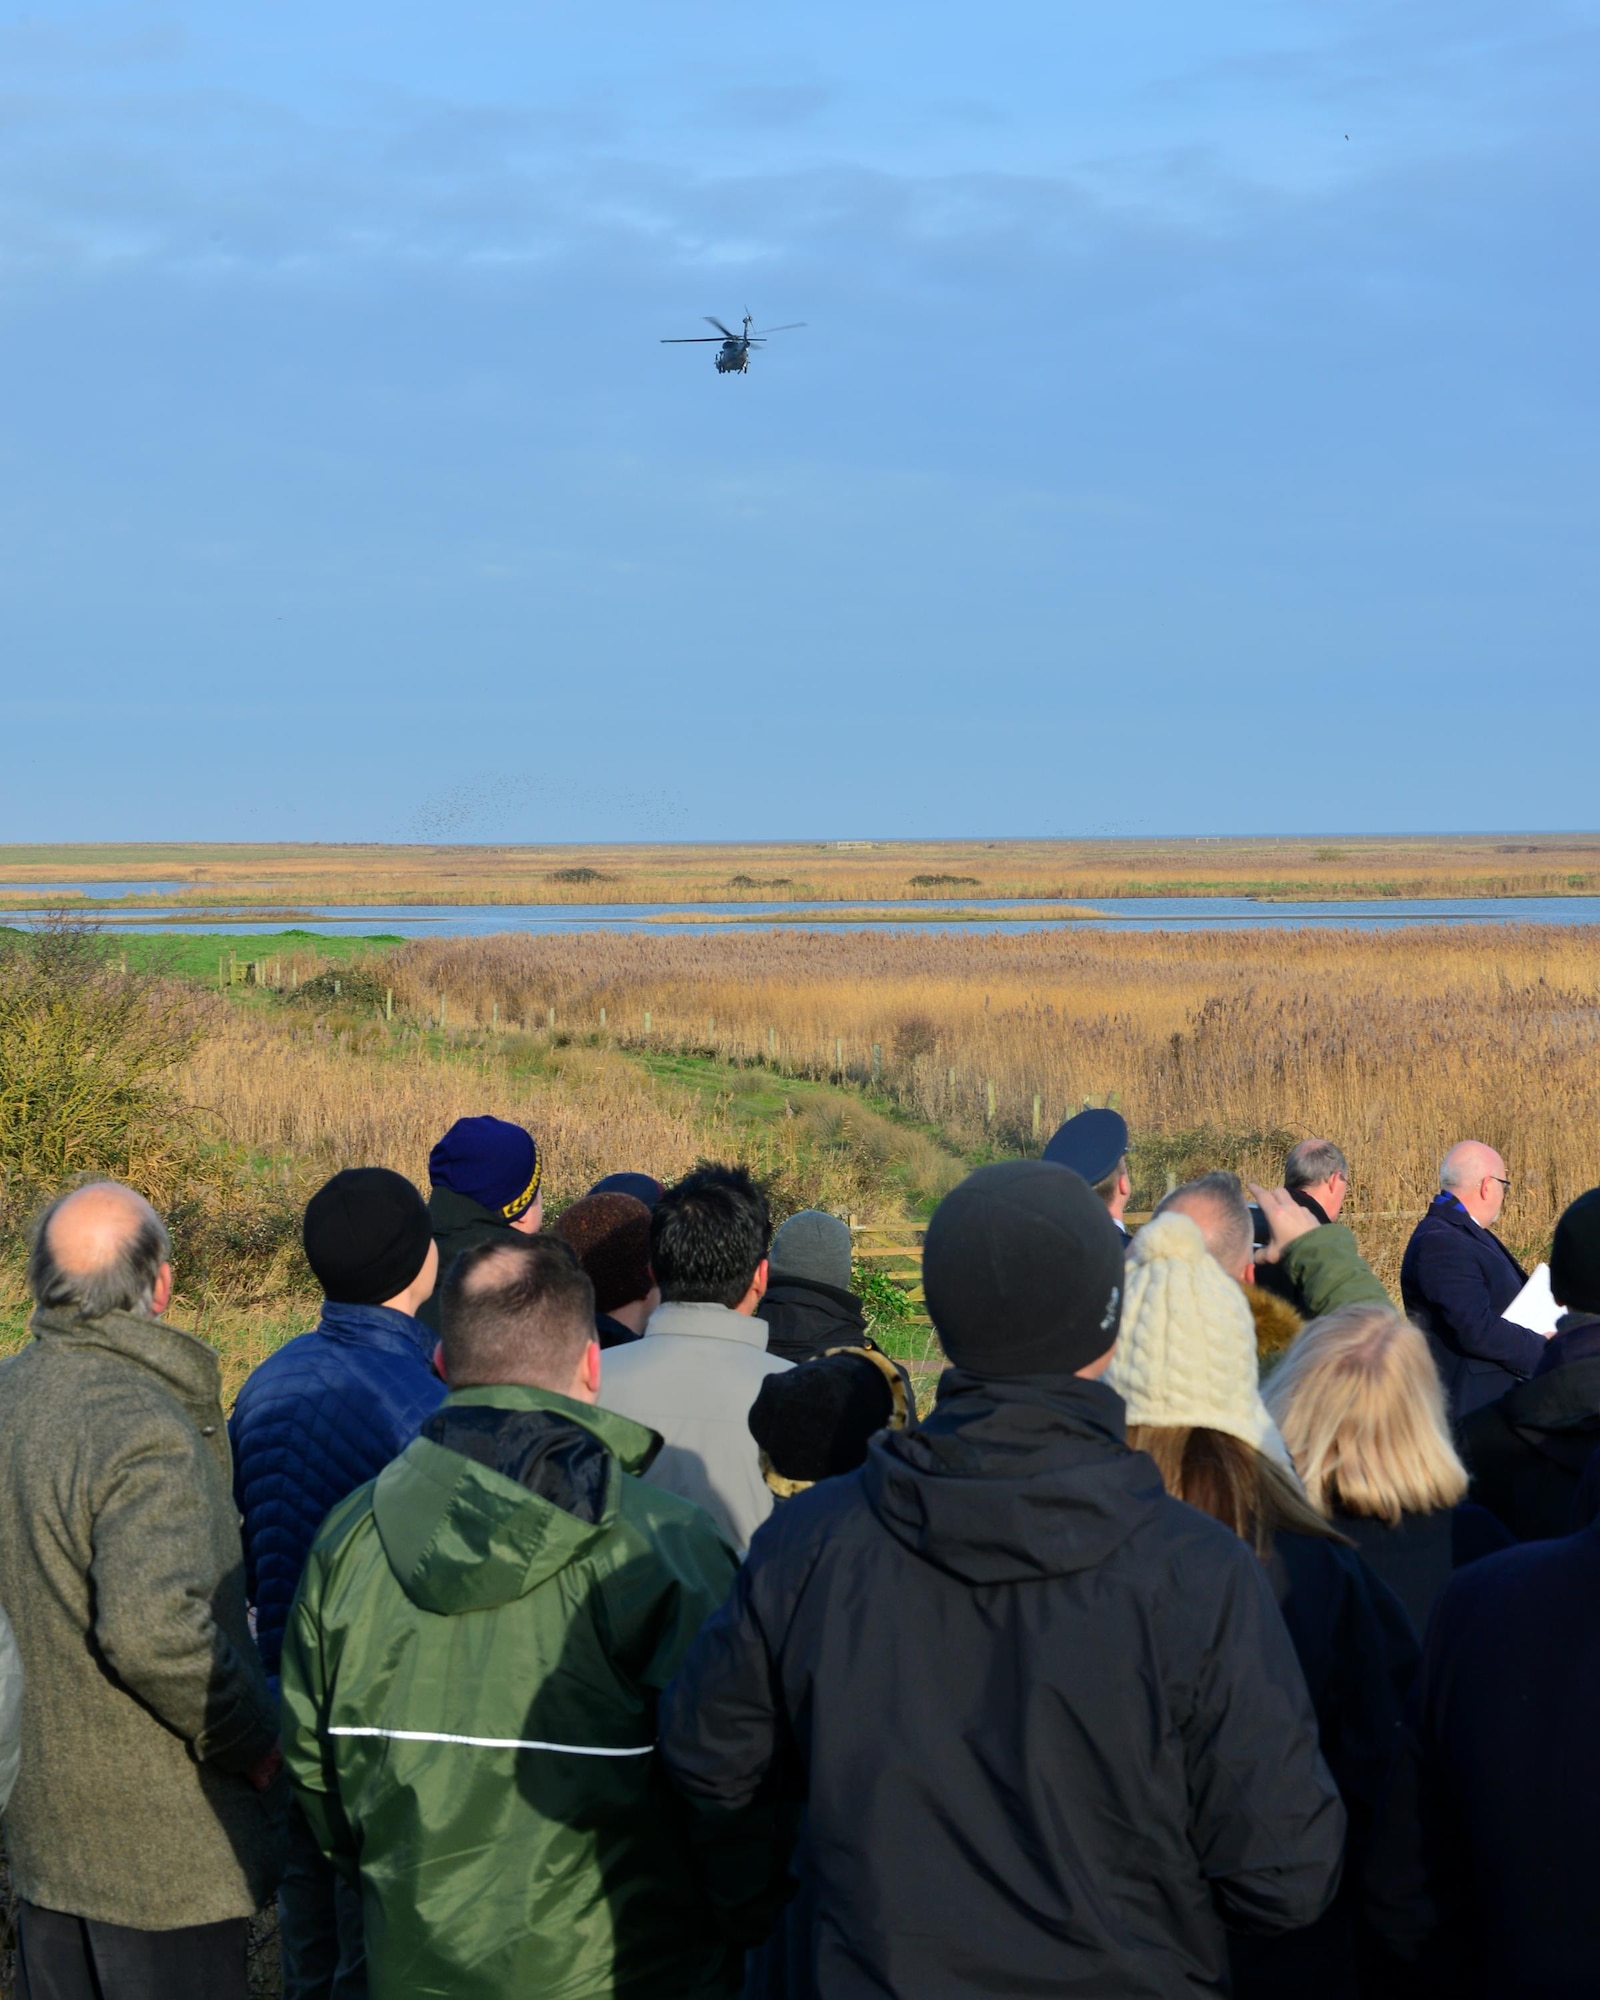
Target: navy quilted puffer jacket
<point>317,1419</point>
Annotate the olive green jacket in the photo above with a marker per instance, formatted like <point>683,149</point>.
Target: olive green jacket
<point>1322,1270</point>
<point>120,1567</point>
<point>470,1678</point>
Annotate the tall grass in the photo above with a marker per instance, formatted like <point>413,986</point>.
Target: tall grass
<point>1218,1047</point>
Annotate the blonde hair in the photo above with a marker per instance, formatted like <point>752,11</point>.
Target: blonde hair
<point>1230,1480</point>
<point>1358,1401</point>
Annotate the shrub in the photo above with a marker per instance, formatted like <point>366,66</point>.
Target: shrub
<point>578,875</point>
<point>944,881</point>
<point>88,1056</point>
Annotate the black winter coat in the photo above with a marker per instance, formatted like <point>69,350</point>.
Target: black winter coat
<point>1048,1722</point>
<point>1417,1557</point>
<point>1358,1652</point>
<point>805,1318</point>
<point>1526,1453</point>
<point>1455,1281</point>
<point>1487,1850</point>
<point>459,1223</point>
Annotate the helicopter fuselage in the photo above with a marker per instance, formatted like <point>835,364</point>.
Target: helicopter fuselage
<point>733,358</point>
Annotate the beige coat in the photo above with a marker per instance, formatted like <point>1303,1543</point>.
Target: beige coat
<point>120,1567</point>
<point>693,1378</point>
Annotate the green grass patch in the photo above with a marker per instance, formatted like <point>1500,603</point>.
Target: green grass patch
<point>198,956</point>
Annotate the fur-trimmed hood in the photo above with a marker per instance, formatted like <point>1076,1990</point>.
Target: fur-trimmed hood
<point>1276,1320</point>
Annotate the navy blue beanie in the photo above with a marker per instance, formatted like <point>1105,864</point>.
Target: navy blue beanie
<point>490,1161</point>
<point>643,1187</point>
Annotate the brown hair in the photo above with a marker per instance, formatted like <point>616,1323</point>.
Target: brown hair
<point>1357,1398</point>
<point>1231,1481</point>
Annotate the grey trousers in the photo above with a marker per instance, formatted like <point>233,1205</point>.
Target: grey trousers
<point>75,1958</point>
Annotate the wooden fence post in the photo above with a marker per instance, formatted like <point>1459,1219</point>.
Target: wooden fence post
<point>989,1099</point>
<point>441,1010</point>
<point>647,1020</point>
<point>877,1064</point>
<point>838,1057</point>
<point>552,1017</point>
<point>1036,1118</point>
<point>388,1004</point>
<point>494,1018</point>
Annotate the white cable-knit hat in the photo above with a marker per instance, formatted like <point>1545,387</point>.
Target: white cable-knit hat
<point>1186,1355</point>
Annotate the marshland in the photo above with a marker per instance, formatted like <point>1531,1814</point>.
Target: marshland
<point>861,1072</point>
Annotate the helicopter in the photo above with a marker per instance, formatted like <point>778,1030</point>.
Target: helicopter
<point>733,353</point>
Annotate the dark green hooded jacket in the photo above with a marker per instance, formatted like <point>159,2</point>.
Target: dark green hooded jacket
<point>470,1678</point>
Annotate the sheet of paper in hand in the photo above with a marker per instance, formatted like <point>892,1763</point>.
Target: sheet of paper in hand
<point>1534,1306</point>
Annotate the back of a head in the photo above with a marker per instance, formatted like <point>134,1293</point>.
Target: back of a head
<point>643,1187</point>
<point>1022,1271</point>
<point>815,1421</point>
<point>518,1311</point>
<point>708,1236</point>
<point>1186,1356</point>
<point>1312,1162</point>
<point>1216,1203</point>
<point>1358,1400</point>
<point>813,1245</point>
<point>1575,1255</point>
<point>609,1234</point>
<point>366,1234</point>
<point>98,1250</point>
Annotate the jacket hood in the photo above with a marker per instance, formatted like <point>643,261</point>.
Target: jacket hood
<point>808,1291</point>
<point>503,1488</point>
<point>1013,1481</point>
<point>1566,1399</point>
<point>449,1211</point>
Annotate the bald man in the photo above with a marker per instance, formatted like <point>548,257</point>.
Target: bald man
<point>1457,1278</point>
<point>146,1824</point>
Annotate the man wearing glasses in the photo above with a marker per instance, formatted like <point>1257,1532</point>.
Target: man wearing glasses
<point>1457,1279</point>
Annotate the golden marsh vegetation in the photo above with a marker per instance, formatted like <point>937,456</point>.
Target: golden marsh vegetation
<point>290,875</point>
<point>857,1071</point>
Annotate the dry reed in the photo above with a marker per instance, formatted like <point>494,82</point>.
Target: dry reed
<point>280,874</point>
<point>1218,1046</point>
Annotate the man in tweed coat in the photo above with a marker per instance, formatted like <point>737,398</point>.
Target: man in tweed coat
<point>146,1823</point>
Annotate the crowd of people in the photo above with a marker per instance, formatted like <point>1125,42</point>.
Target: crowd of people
<point>583,1607</point>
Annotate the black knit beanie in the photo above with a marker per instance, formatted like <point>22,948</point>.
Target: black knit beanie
<point>1575,1255</point>
<point>815,1421</point>
<point>366,1234</point>
<point>1022,1271</point>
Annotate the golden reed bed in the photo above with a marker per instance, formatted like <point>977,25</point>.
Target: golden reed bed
<point>292,875</point>
<point>1395,1044</point>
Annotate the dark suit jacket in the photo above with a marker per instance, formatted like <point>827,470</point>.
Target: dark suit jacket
<point>1455,1281</point>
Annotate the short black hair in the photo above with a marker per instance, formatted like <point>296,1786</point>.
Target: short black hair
<point>515,1310</point>
<point>708,1234</point>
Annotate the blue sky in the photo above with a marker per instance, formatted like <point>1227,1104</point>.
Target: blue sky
<point>1155,457</point>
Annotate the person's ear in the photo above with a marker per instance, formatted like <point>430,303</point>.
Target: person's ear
<point>758,1284</point>
<point>161,1291</point>
<point>1250,1272</point>
<point>438,1362</point>
<point>591,1368</point>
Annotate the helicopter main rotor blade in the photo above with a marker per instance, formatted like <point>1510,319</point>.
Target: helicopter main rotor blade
<point>793,327</point>
<point>717,323</point>
<point>692,340</point>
